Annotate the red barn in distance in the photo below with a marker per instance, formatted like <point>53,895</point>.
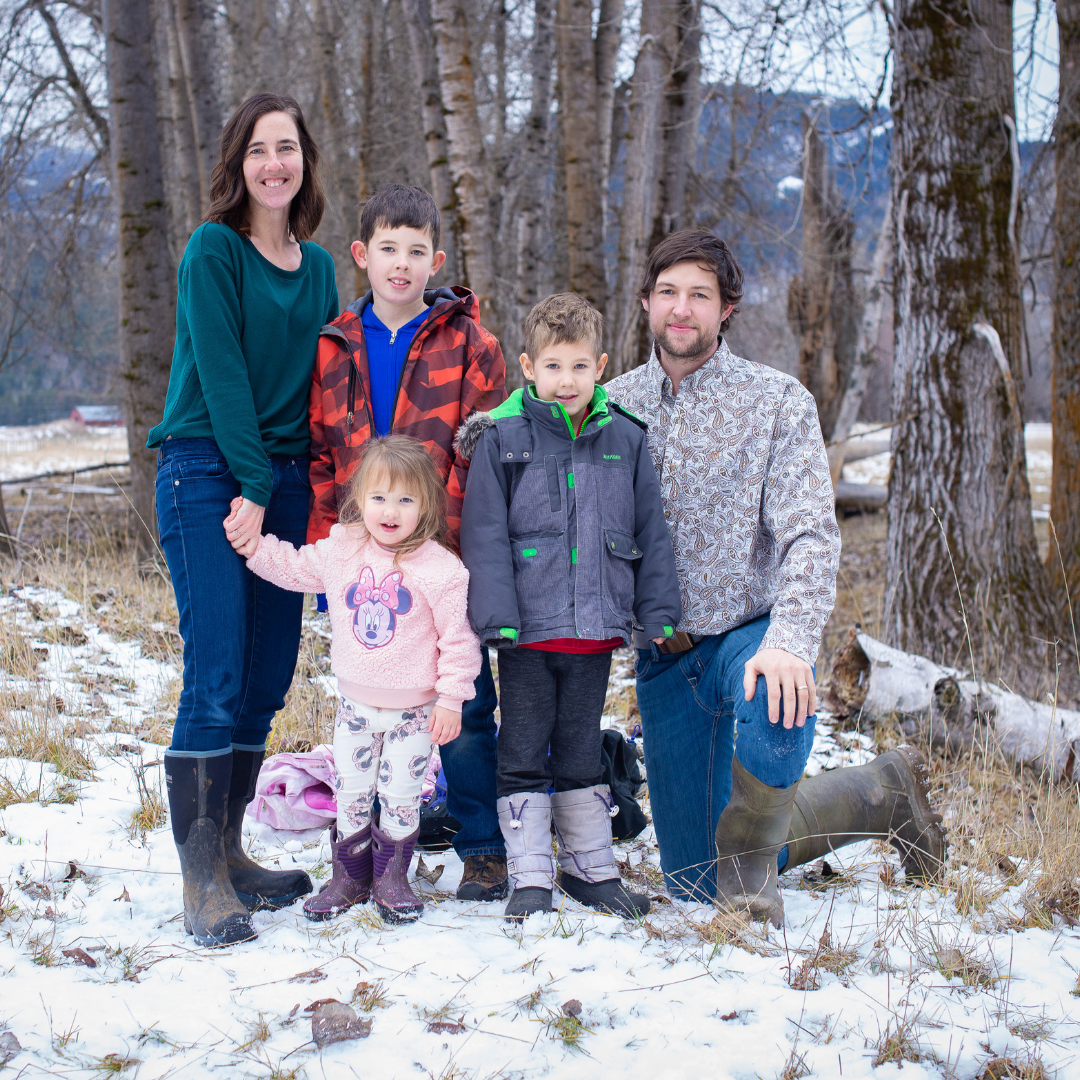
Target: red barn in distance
<point>98,415</point>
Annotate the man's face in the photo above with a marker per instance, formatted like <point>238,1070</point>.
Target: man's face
<point>685,311</point>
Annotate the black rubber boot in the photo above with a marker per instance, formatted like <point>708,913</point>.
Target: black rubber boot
<point>527,901</point>
<point>256,887</point>
<point>610,895</point>
<point>749,835</point>
<point>198,794</point>
<point>886,799</point>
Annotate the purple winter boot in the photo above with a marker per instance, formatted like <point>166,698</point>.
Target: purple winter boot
<point>351,880</point>
<point>397,903</point>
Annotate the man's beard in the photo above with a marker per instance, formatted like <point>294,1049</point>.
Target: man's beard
<point>704,342</point>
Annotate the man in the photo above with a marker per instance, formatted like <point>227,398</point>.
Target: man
<point>728,706</point>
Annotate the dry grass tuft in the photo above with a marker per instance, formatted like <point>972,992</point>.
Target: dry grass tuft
<point>897,1043</point>
<point>729,929</point>
<point>308,716</point>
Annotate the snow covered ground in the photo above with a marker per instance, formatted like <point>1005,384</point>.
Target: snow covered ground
<point>1037,440</point>
<point>870,977</point>
<point>60,446</point>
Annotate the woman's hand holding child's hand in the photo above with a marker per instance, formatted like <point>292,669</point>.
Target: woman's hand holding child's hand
<point>445,725</point>
<point>243,526</point>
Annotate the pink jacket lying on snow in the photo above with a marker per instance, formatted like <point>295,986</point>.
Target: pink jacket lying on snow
<point>401,636</point>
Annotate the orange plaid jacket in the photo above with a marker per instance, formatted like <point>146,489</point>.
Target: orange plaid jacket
<point>454,368</point>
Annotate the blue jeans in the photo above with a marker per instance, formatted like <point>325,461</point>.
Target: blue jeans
<point>469,764</point>
<point>693,709</point>
<point>241,634</point>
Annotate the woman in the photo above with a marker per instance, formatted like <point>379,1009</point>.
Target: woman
<point>253,293</point>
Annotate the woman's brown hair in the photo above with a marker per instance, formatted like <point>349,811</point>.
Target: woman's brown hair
<point>400,461</point>
<point>228,193</point>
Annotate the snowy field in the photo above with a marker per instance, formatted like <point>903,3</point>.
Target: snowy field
<point>869,978</point>
<point>60,446</point>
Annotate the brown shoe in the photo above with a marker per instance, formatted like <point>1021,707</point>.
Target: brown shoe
<point>484,879</point>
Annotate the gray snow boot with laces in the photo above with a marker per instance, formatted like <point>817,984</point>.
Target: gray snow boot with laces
<point>525,820</point>
<point>589,874</point>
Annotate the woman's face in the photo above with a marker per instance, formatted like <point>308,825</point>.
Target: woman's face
<point>273,163</point>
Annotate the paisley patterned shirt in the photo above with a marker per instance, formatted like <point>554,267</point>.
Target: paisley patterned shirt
<point>747,496</point>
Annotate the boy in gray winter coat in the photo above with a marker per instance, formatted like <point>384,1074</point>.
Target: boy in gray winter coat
<point>564,537</point>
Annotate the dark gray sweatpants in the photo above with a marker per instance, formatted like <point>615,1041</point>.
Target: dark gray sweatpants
<point>556,700</point>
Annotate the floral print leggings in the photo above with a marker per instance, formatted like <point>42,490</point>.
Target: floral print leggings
<point>382,752</point>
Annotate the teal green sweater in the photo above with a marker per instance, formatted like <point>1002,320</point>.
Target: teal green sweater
<point>246,334</point>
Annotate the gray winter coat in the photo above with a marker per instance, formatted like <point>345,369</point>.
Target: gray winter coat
<point>564,537</point>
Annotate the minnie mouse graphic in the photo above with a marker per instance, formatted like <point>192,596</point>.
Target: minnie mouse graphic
<point>376,607</point>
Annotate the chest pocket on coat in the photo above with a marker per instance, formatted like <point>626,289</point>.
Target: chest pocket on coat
<point>537,527</point>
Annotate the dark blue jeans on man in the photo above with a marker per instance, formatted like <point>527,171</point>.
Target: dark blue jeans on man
<point>241,634</point>
<point>469,764</point>
<point>694,717</point>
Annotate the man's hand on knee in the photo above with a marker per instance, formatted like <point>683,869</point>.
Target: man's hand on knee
<point>786,676</point>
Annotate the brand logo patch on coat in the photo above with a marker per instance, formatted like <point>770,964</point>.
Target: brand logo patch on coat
<point>613,457</point>
<point>376,607</point>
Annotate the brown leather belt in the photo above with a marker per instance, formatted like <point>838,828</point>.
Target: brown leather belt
<point>679,642</point>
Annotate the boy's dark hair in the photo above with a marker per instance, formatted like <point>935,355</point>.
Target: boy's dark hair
<point>564,317</point>
<point>228,192</point>
<point>397,205</point>
<point>707,250</point>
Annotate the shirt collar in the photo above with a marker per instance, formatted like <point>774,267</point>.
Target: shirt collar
<point>716,366</point>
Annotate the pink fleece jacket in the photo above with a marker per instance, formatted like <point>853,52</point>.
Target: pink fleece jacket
<point>401,636</point>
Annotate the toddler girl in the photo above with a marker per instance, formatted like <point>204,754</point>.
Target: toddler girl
<point>404,656</point>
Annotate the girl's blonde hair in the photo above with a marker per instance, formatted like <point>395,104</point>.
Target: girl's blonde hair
<point>400,461</point>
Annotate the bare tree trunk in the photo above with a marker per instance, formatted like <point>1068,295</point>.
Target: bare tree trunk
<point>866,357</point>
<point>963,572</point>
<point>608,39</point>
<point>195,26</point>
<point>255,63</point>
<point>533,240</point>
<point>581,135</point>
<point>1065,395</point>
<point>644,164</point>
<point>336,233</point>
<point>466,157</point>
<point>182,188</point>
<point>426,68</point>
<point>821,301</point>
<point>147,307</point>
<point>7,537</point>
<point>683,111</point>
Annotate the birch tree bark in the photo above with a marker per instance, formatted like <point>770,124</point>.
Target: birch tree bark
<point>147,306</point>
<point>426,75</point>
<point>1065,394</point>
<point>255,65</point>
<point>195,30</point>
<point>644,163</point>
<point>466,157</point>
<point>337,230</point>
<point>964,583</point>
<point>821,300</point>
<point>581,137</point>
<point>866,358</point>
<point>533,239</point>
<point>182,188</point>
<point>608,39</point>
<point>682,104</point>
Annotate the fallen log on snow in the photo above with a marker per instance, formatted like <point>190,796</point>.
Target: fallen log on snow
<point>950,708</point>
